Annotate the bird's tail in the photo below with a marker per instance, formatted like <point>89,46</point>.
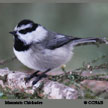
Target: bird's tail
<point>82,41</point>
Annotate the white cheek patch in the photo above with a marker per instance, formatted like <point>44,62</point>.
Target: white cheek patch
<point>35,36</point>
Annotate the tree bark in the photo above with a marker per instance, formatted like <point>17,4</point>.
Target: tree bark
<point>51,89</point>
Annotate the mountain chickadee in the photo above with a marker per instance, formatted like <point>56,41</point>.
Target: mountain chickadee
<point>43,50</point>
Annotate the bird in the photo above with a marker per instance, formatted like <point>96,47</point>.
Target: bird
<point>43,50</point>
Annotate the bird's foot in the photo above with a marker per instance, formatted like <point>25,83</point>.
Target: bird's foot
<point>27,79</point>
<point>39,78</point>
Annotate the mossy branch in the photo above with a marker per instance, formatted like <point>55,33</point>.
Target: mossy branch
<point>44,88</point>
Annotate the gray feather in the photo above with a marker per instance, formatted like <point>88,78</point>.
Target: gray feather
<point>55,40</point>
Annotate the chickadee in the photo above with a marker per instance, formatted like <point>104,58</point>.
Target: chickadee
<point>43,50</point>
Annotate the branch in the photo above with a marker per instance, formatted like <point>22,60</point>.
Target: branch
<point>77,74</point>
<point>2,62</point>
<point>50,89</point>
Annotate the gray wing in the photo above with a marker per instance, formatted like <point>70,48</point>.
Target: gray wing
<point>58,41</point>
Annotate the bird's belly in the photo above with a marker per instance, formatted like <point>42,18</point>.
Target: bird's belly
<point>43,61</point>
<point>59,57</point>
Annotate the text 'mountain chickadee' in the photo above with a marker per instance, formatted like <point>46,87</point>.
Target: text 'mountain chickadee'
<point>43,50</point>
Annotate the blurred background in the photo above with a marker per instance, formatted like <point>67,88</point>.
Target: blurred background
<point>81,20</point>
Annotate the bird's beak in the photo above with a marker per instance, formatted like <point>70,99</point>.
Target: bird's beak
<point>13,32</point>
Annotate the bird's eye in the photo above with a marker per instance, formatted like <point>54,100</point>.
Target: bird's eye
<point>23,31</point>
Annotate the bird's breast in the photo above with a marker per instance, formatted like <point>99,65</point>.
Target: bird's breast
<point>43,60</point>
